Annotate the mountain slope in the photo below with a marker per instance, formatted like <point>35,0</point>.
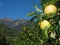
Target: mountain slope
<point>16,25</point>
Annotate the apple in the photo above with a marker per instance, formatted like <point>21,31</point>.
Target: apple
<point>45,25</point>
<point>50,11</point>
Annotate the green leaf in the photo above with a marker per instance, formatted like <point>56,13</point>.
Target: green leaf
<point>33,18</point>
<point>43,1</point>
<point>53,1</point>
<point>31,14</point>
<point>41,42</point>
<point>46,33</point>
<point>53,35</point>
<point>37,9</point>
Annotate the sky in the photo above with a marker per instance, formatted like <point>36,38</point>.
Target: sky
<point>16,9</point>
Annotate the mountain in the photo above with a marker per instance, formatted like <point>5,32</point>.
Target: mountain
<point>5,30</point>
<point>15,24</point>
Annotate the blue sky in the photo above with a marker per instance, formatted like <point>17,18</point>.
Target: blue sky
<point>16,9</point>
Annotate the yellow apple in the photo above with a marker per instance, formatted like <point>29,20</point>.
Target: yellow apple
<point>45,25</point>
<point>50,11</point>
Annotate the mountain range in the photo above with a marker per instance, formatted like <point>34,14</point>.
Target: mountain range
<point>15,24</point>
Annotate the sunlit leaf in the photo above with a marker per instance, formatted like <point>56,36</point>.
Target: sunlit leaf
<point>31,13</point>
<point>37,9</point>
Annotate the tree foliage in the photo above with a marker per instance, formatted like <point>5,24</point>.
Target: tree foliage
<point>33,34</point>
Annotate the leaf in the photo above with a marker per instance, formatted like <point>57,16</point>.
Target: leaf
<point>53,35</point>
<point>33,18</point>
<point>43,1</point>
<point>36,7</point>
<point>59,23</point>
<point>41,42</point>
<point>31,13</point>
<point>54,1</point>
